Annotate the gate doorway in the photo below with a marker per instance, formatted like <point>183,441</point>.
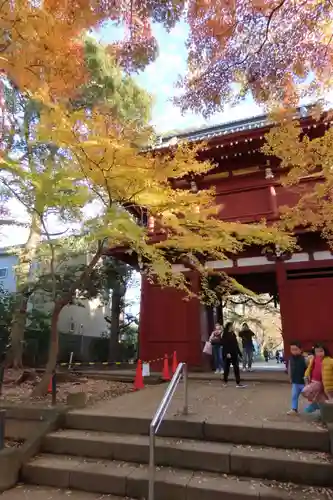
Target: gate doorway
<point>260,312</point>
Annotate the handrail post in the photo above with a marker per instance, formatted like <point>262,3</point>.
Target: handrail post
<point>180,373</point>
<point>185,377</point>
<point>151,471</point>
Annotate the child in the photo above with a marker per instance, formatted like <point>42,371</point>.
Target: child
<point>296,369</point>
<point>319,378</point>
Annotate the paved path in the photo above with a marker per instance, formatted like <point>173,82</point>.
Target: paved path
<point>271,365</point>
<point>210,401</point>
<point>261,372</point>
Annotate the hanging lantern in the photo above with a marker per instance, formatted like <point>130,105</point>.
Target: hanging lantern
<point>269,173</point>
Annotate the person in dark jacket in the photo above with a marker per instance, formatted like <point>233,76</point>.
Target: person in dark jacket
<point>296,370</point>
<point>246,335</point>
<point>231,354</point>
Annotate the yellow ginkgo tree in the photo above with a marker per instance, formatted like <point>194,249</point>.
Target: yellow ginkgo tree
<point>302,157</point>
<point>38,176</point>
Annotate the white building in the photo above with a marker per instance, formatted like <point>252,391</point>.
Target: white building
<point>87,319</point>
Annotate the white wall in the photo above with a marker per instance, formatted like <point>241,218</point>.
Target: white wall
<point>91,317</point>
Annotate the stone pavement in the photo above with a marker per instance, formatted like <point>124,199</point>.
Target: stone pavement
<point>27,492</point>
<point>210,401</point>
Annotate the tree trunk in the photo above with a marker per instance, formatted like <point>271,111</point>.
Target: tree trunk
<point>116,304</point>
<point>41,388</point>
<point>14,356</point>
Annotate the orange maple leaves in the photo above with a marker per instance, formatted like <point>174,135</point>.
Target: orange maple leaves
<point>40,49</point>
<point>42,44</point>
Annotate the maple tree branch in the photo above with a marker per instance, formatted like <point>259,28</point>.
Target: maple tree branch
<point>83,276</point>
<point>20,198</point>
<point>249,54</point>
<point>97,164</point>
<point>329,41</point>
<point>269,20</point>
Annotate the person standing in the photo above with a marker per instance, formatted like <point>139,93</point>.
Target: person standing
<point>216,339</point>
<point>246,335</point>
<point>296,370</point>
<point>231,354</point>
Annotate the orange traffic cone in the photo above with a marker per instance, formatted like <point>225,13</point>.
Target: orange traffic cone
<point>49,389</point>
<point>138,381</point>
<point>174,362</point>
<point>165,372</point>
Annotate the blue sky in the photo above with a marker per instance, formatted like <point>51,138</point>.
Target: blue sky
<point>159,79</point>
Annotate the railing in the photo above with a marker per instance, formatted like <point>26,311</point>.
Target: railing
<point>180,373</point>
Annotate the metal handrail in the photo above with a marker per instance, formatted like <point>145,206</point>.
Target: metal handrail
<point>180,373</point>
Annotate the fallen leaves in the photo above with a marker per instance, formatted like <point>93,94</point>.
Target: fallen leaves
<point>96,390</point>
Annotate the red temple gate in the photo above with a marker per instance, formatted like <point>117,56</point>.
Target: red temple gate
<point>249,189</point>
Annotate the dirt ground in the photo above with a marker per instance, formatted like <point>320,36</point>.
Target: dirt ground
<point>16,392</point>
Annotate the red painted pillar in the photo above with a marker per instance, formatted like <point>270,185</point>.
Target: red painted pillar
<point>286,313</point>
<point>144,308</point>
<point>195,324</point>
<point>169,322</point>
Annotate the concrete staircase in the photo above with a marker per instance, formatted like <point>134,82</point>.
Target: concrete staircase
<point>195,460</point>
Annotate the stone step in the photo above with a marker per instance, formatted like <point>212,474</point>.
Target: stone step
<point>131,480</point>
<point>31,492</point>
<point>312,468</point>
<point>256,433</point>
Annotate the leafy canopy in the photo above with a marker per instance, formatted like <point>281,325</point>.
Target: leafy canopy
<point>276,49</point>
<point>273,48</point>
<point>42,43</point>
<point>104,173</point>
